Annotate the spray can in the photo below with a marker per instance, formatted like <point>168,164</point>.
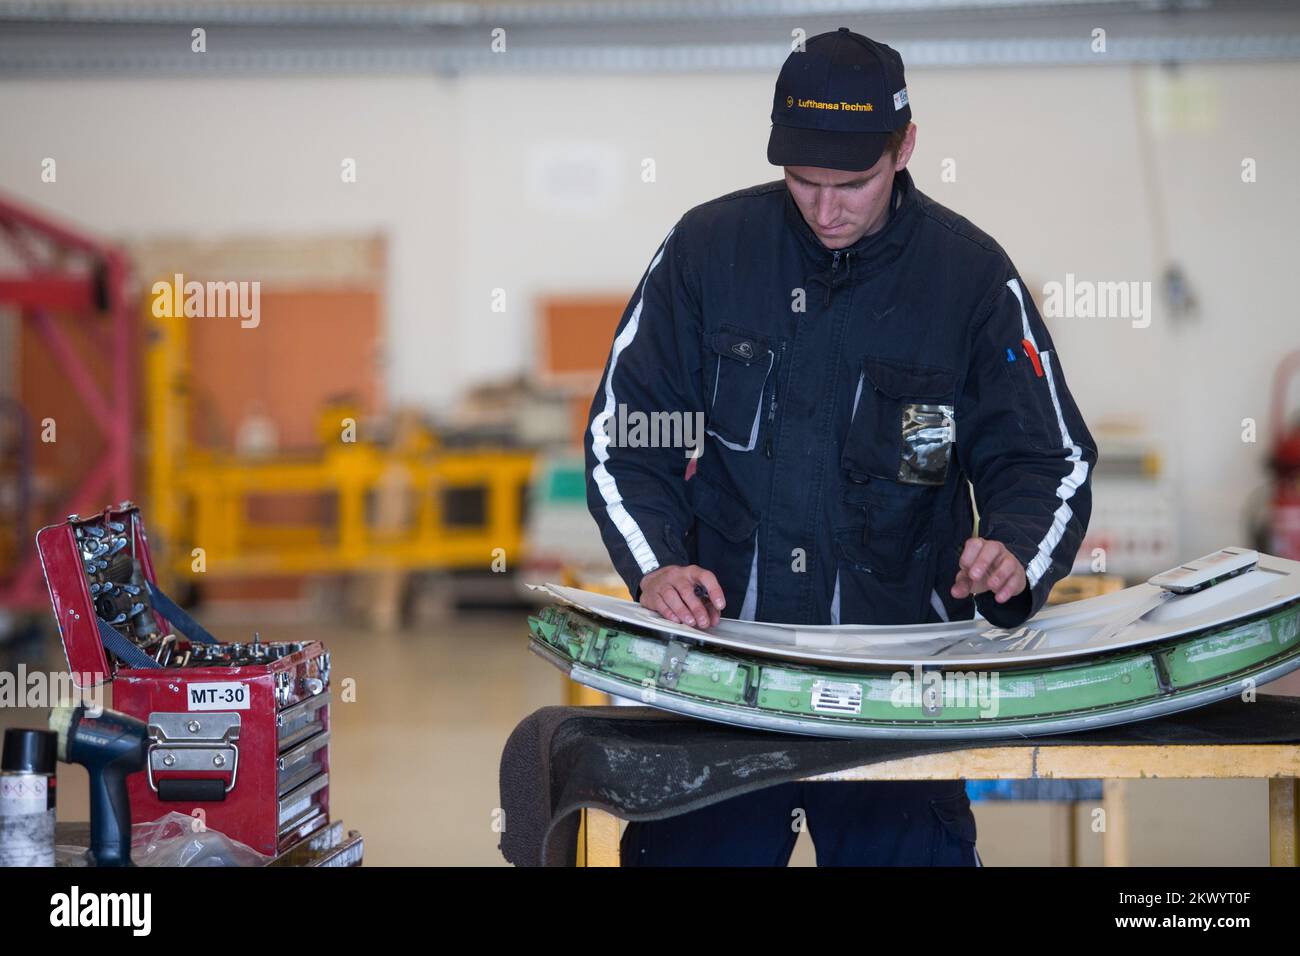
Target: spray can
<point>27,797</point>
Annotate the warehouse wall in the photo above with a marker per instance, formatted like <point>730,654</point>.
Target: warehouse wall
<point>533,184</point>
<point>200,159</point>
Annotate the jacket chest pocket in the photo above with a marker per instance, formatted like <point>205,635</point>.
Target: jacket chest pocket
<point>904,424</point>
<point>742,365</point>
<point>888,533</point>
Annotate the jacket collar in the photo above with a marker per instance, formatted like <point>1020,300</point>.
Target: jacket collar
<point>870,252</point>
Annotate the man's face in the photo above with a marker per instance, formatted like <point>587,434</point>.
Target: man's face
<point>841,207</point>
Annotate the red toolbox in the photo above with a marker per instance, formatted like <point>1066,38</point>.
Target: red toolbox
<point>239,733</point>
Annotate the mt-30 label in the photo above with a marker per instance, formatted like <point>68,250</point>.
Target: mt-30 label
<point>223,695</point>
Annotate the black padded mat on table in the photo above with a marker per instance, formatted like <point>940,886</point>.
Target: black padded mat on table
<point>645,764</point>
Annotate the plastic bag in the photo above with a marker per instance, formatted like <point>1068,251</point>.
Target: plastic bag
<point>173,841</point>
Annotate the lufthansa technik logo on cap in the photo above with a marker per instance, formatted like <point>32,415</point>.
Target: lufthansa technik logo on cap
<point>840,105</point>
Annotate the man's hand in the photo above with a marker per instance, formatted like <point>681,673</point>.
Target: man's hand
<point>988,566</point>
<point>670,592</point>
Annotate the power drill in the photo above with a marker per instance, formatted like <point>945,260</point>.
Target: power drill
<point>110,747</point>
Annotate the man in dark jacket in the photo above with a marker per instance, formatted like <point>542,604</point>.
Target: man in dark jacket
<point>860,358</point>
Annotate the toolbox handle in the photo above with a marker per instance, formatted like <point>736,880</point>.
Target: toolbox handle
<point>194,790</point>
<point>191,745</point>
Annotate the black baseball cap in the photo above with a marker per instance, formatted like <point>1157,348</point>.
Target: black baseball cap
<point>836,103</point>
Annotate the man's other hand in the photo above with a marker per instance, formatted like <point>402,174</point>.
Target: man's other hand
<point>988,566</point>
<point>670,592</point>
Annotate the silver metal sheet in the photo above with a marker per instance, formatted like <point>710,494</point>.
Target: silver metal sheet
<point>1128,618</point>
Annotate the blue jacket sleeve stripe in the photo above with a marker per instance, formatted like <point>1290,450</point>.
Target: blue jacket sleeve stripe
<point>618,514</point>
<point>1073,479</point>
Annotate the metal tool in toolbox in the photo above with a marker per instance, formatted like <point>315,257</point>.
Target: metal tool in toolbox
<point>1196,634</point>
<point>239,731</point>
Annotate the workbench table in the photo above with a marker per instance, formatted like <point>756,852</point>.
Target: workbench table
<point>598,834</point>
<point>570,774</point>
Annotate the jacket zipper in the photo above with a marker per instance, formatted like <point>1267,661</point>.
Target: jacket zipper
<point>771,408</point>
<point>830,283</point>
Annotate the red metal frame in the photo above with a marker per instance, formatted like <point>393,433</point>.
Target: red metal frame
<point>69,271</point>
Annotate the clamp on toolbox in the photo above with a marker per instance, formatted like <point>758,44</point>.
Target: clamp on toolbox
<point>192,742</point>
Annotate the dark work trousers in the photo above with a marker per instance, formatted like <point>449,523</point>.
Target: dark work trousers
<point>869,823</point>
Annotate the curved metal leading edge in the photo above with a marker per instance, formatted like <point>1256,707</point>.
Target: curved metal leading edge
<point>757,720</point>
<point>923,701</point>
<point>1137,615</point>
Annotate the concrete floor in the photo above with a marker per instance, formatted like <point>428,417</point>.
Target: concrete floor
<point>415,757</point>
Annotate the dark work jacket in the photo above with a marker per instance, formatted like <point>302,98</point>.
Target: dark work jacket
<point>849,401</point>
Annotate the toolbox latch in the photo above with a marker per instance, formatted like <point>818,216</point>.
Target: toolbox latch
<point>195,742</point>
